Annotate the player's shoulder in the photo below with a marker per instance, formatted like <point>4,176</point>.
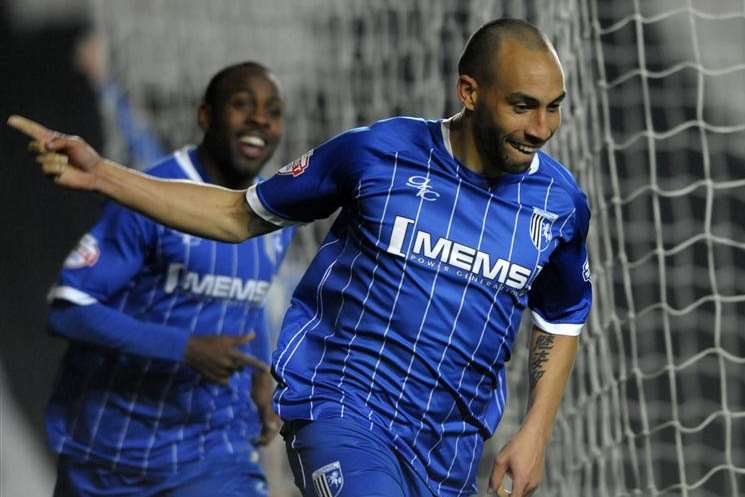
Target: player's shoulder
<point>401,124</point>
<point>407,130</point>
<point>167,167</point>
<point>560,174</point>
<point>563,180</point>
<point>393,130</point>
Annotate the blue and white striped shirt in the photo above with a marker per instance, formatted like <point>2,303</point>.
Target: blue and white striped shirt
<point>148,414</point>
<point>407,315</point>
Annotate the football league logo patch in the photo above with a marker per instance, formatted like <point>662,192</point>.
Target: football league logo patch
<point>86,254</point>
<point>298,166</point>
<point>540,228</point>
<point>328,480</point>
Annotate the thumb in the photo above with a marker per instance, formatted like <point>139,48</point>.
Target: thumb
<point>61,142</point>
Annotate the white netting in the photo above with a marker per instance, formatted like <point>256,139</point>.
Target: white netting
<point>654,128</point>
<point>657,404</point>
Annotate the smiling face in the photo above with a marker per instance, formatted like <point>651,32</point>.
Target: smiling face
<point>243,124</point>
<point>518,109</point>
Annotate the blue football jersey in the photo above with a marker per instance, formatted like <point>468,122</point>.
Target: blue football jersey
<point>407,315</point>
<point>143,414</point>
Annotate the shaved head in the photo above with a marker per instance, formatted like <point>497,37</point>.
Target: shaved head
<point>478,57</point>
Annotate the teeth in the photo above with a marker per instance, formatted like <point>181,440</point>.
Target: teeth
<point>522,149</point>
<point>253,141</point>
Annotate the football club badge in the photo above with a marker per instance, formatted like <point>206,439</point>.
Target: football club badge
<point>298,166</point>
<point>540,228</point>
<point>328,480</point>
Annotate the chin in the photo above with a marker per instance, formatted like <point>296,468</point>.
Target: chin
<point>247,167</point>
<point>516,167</point>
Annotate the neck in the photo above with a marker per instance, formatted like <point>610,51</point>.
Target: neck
<point>222,176</point>
<point>464,147</point>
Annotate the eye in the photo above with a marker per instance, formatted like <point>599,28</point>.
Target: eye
<point>554,107</point>
<point>521,108</point>
<point>241,103</point>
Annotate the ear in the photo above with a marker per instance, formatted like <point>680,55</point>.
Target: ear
<point>204,116</point>
<point>467,91</point>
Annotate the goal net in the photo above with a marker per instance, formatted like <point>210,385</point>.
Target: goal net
<point>654,129</point>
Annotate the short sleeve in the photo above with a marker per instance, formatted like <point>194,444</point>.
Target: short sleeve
<point>105,259</point>
<point>314,185</point>
<point>561,296</point>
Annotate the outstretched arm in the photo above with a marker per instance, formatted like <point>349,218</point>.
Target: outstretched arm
<point>550,362</point>
<point>203,210</point>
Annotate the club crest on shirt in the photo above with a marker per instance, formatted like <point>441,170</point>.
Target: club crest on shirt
<point>298,166</point>
<point>86,254</point>
<point>423,187</point>
<point>540,228</point>
<point>328,480</point>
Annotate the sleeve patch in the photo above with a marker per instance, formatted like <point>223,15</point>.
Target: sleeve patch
<point>86,254</point>
<point>298,166</point>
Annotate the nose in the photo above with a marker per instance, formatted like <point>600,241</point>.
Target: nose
<point>259,115</point>
<point>541,127</point>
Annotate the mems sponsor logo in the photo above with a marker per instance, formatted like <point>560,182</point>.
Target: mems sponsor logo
<point>468,259</point>
<point>215,285</point>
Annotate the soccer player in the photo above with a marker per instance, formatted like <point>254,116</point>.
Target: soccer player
<point>391,361</point>
<point>154,395</point>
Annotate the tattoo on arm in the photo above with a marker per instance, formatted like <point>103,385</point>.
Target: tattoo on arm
<point>538,357</point>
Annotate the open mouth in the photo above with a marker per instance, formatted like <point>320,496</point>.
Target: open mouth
<point>252,146</point>
<point>523,149</point>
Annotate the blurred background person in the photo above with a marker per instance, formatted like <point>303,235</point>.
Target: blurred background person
<point>160,389</point>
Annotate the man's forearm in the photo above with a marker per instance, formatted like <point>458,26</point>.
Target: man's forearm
<point>101,325</point>
<point>550,363</point>
<point>203,210</point>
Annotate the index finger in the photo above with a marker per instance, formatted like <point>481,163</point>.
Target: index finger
<point>258,364</point>
<point>30,128</point>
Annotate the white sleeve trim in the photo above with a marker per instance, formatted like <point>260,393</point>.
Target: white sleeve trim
<point>569,329</point>
<point>252,198</point>
<point>70,294</point>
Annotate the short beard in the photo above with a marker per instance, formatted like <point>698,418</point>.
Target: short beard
<point>492,152</point>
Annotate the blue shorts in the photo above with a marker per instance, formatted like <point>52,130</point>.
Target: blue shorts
<point>341,457</point>
<point>221,475</point>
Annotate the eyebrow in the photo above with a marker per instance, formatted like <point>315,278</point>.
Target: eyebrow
<point>517,96</point>
<point>252,94</point>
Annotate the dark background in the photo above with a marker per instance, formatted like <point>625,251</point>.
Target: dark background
<point>41,222</point>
